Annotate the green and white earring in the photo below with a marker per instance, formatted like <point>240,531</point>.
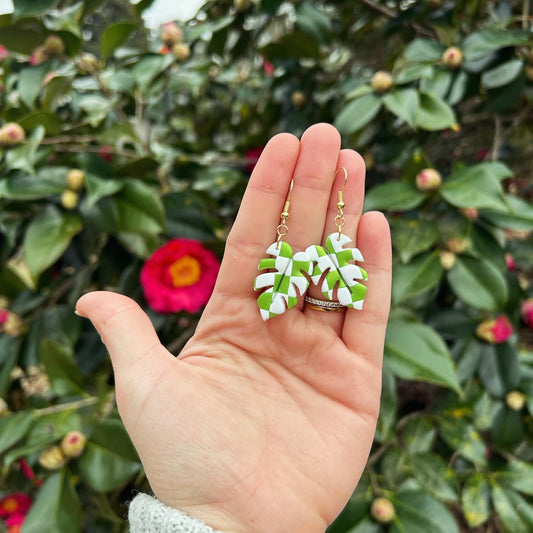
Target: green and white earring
<point>334,261</point>
<point>285,279</point>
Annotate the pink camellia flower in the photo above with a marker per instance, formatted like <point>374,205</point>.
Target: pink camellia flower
<point>4,52</point>
<point>14,523</point>
<point>495,330</point>
<point>510,262</point>
<point>527,311</point>
<point>26,469</point>
<point>268,67</point>
<point>14,504</point>
<point>179,276</point>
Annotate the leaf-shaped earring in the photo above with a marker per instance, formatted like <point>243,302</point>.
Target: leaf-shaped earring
<point>333,260</point>
<point>285,279</point>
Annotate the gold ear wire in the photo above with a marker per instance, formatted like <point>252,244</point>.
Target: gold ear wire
<point>339,219</point>
<point>282,230</point>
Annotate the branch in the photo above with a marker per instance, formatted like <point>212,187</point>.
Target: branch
<point>380,9</point>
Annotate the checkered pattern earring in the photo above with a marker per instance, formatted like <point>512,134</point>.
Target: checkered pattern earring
<point>334,261</point>
<point>284,279</point>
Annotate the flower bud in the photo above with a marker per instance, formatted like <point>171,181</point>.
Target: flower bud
<point>171,34</point>
<point>4,52</point>
<point>54,45</point>
<point>381,81</point>
<point>38,56</point>
<point>495,330</point>
<point>181,51</point>
<point>457,245</point>
<point>88,64</point>
<point>241,5</point>
<point>447,259</point>
<point>529,72</point>
<point>510,263</point>
<point>52,458</point>
<point>452,57</point>
<point>13,325</point>
<point>69,199</point>
<point>75,179</point>
<point>470,212</point>
<point>4,302</point>
<point>11,134</point>
<point>298,98</point>
<point>515,400</point>
<point>73,443</point>
<point>526,309</point>
<point>4,409</point>
<point>428,179</point>
<point>382,510</point>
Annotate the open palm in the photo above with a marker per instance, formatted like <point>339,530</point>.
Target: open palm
<point>261,426</point>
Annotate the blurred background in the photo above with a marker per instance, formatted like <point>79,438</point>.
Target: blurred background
<point>130,129</point>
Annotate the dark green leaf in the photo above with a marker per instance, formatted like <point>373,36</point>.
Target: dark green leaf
<point>513,511</point>
<point>462,437</point>
<point>358,113</point>
<point>478,283</point>
<point>13,428</point>
<point>418,435</point>
<point>519,215</point>
<point>57,507</point>
<point>502,74</point>
<point>23,157</point>
<point>499,369</point>
<point>313,21</point>
<point>65,377</point>
<point>415,351</point>
<point>518,475</point>
<point>30,83</point>
<point>437,85</point>
<point>434,475</point>
<point>98,188</point>
<point>416,277</point>
<point>66,19</point>
<point>433,113</point>
<point>394,196</point>
<point>458,88</point>
<point>48,181</point>
<point>292,45</point>
<point>419,512</point>
<point>410,237</point>
<point>403,103</point>
<point>186,216</point>
<point>113,36</point>
<point>387,412</point>
<point>29,8</point>
<point>483,42</point>
<point>423,50</point>
<point>109,459</point>
<point>47,237</point>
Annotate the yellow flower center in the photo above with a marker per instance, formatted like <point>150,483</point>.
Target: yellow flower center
<point>10,505</point>
<point>185,271</point>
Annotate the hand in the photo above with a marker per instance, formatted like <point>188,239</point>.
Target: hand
<point>262,426</point>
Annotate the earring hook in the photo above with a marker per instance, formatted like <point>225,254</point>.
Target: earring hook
<point>345,176</point>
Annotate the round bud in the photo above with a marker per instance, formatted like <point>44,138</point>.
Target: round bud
<point>526,309</point>
<point>428,179</point>
<point>4,302</point>
<point>529,72</point>
<point>447,259</point>
<point>4,408</point>
<point>515,400</point>
<point>457,245</point>
<point>241,5</point>
<point>52,458</point>
<point>381,81</point>
<point>73,443</point>
<point>181,51</point>
<point>38,56</point>
<point>75,179</point>
<point>470,212</point>
<point>13,325</point>
<point>382,510</point>
<point>171,34</point>
<point>54,45</point>
<point>88,64</point>
<point>452,57</point>
<point>11,134</point>
<point>298,98</point>
<point>69,199</point>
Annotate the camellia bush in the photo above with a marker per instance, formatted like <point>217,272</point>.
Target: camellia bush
<point>124,155</point>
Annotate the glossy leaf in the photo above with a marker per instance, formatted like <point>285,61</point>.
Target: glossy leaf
<point>434,475</point>
<point>13,428</point>
<point>403,103</point>
<point>515,513</point>
<point>395,196</point>
<point>358,113</point>
<point>416,277</point>
<point>475,499</point>
<point>502,74</point>
<point>415,351</point>
<point>464,439</point>
<point>483,42</point>
<point>499,369</point>
<point>64,375</point>
<point>114,36</point>
<point>433,113</point>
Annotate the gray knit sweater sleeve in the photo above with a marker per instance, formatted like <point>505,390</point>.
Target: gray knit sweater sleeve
<point>148,515</point>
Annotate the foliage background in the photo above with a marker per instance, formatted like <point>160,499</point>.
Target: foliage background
<point>166,146</point>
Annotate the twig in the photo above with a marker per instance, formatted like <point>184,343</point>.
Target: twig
<point>81,139</point>
<point>66,406</point>
<point>93,149</point>
<point>497,143</point>
<point>380,9</point>
<point>525,14</point>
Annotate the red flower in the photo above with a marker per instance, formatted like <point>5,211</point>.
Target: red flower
<point>496,330</point>
<point>3,52</point>
<point>527,311</point>
<point>26,469</point>
<point>14,523</point>
<point>14,504</point>
<point>510,262</point>
<point>4,314</point>
<point>268,67</point>
<point>106,152</point>
<point>179,276</point>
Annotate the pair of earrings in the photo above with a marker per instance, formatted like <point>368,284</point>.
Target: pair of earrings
<point>288,273</point>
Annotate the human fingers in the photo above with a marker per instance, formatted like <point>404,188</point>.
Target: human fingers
<point>353,187</point>
<point>259,215</point>
<point>137,356</point>
<point>364,330</point>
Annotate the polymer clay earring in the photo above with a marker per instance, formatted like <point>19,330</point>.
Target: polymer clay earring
<point>284,278</point>
<point>334,261</point>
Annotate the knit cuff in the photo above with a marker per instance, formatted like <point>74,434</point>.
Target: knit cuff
<point>148,515</point>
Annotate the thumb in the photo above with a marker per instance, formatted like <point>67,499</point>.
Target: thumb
<point>127,332</point>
